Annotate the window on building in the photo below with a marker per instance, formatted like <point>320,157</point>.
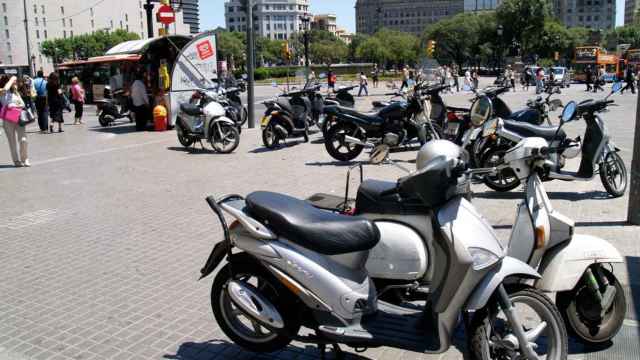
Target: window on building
<point>126,17</point>
<point>127,27</point>
<point>71,22</point>
<point>121,24</point>
<point>35,9</point>
<point>46,35</point>
<point>6,20</point>
<point>64,22</point>
<point>112,24</point>
<point>4,7</point>
<point>42,9</point>
<point>37,34</point>
<point>62,9</point>
<point>91,10</point>
<point>6,33</point>
<point>71,33</point>
<point>10,59</point>
<point>64,34</point>
<point>44,21</point>
<point>93,23</point>
<point>8,46</point>
<point>36,19</point>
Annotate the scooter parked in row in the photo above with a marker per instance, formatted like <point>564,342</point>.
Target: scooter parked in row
<point>205,118</point>
<point>302,266</point>
<point>110,109</point>
<point>599,154</point>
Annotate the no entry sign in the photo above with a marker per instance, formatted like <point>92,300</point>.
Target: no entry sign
<point>166,15</point>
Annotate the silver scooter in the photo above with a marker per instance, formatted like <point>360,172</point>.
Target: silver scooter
<point>589,296</point>
<point>302,266</point>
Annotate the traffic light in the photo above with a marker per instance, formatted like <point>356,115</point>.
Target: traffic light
<point>431,48</point>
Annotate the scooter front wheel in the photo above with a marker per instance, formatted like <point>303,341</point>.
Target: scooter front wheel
<point>105,120</point>
<point>224,138</point>
<point>270,137</point>
<point>613,174</point>
<point>491,335</point>
<point>582,314</point>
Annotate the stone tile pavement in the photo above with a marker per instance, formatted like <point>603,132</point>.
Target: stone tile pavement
<point>101,241</point>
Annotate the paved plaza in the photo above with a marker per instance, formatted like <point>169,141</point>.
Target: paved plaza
<point>102,239</point>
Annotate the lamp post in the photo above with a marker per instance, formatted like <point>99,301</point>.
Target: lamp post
<point>499,31</point>
<point>250,64</point>
<point>306,20</point>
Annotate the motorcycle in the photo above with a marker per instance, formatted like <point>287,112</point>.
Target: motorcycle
<point>204,118</point>
<point>290,115</point>
<point>232,103</point>
<point>109,110</point>
<point>302,266</point>
<point>396,125</point>
<point>589,296</point>
<point>599,154</point>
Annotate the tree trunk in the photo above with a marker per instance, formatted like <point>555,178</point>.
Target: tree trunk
<point>634,192</point>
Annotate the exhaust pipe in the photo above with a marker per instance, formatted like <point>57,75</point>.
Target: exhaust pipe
<point>352,140</point>
<point>253,304</point>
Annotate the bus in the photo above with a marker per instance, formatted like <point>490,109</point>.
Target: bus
<point>595,57</point>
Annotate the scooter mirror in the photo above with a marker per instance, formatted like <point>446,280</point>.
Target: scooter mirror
<point>569,112</point>
<point>481,111</point>
<point>616,87</point>
<point>245,76</point>
<point>379,154</point>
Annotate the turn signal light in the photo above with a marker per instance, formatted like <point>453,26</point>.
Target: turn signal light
<point>540,237</point>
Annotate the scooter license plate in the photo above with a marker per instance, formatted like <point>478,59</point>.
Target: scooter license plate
<point>489,128</point>
<point>265,121</point>
<point>452,128</point>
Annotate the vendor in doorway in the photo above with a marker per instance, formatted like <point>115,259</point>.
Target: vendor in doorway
<point>140,101</point>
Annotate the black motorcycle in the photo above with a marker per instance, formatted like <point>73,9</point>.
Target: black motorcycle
<point>290,115</point>
<point>109,110</point>
<point>397,124</point>
<point>232,102</point>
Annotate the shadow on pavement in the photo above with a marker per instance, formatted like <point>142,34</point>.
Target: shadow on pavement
<point>335,163</point>
<point>219,349</point>
<point>553,195</point>
<point>285,145</point>
<point>193,150</point>
<point>115,129</point>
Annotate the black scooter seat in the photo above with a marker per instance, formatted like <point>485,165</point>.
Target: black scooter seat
<point>371,117</point>
<point>190,109</point>
<point>529,116</point>
<point>528,130</point>
<point>318,230</point>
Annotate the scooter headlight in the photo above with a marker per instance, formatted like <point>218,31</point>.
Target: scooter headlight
<point>482,258</point>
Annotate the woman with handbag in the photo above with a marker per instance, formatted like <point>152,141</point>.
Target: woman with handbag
<point>11,114</point>
<point>56,101</point>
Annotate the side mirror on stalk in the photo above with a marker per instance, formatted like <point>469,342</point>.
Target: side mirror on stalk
<point>569,112</point>
<point>481,111</point>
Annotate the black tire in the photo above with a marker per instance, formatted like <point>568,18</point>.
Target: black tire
<point>270,137</point>
<point>184,140</point>
<point>105,120</point>
<point>506,180</point>
<point>575,314</point>
<point>329,121</point>
<point>244,266</point>
<point>244,116</point>
<point>482,329</point>
<point>224,138</point>
<point>334,141</point>
<point>612,167</point>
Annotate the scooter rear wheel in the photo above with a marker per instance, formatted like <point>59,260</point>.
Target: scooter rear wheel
<point>240,328</point>
<point>105,120</point>
<point>506,179</point>
<point>577,307</point>
<point>613,174</point>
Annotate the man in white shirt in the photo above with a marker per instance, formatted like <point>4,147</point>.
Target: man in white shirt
<point>140,102</point>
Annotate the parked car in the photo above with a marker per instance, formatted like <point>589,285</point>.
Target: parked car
<point>561,76</point>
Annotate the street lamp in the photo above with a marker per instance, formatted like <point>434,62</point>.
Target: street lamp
<point>500,31</point>
<point>306,20</point>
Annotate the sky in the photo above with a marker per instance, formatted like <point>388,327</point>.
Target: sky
<point>212,12</point>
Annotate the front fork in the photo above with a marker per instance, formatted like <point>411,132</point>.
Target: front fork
<point>522,339</point>
<point>595,280</point>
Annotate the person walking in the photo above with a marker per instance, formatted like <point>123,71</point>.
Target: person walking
<point>55,101</point>
<point>405,77</point>
<point>511,77</point>
<point>630,79</point>
<point>42,110</point>
<point>448,79</point>
<point>475,79</point>
<point>456,80</point>
<point>375,76</point>
<point>11,99</point>
<point>363,84</point>
<point>331,81</point>
<point>539,80</point>
<point>140,101</point>
<point>527,76</point>
<point>588,78</point>
<point>598,80</point>
<point>78,98</point>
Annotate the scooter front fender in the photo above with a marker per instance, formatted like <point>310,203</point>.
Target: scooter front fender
<point>496,276</point>
<point>222,119</point>
<point>563,266</point>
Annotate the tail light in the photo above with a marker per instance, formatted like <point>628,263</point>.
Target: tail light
<point>451,116</point>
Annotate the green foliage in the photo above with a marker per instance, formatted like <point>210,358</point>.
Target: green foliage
<point>629,34</point>
<point>84,46</point>
<point>388,47</point>
<point>524,20</point>
<point>231,47</point>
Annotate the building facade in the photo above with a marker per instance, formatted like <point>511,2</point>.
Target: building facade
<point>631,8</point>
<point>273,19</point>
<point>191,15</point>
<point>403,15</point>
<point>481,5</point>
<point>593,14</point>
<point>326,22</point>
<point>52,19</point>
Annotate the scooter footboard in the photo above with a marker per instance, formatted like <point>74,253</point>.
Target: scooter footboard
<point>563,266</point>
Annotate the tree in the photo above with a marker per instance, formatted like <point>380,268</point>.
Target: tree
<point>373,50</point>
<point>524,20</point>
<point>377,48</point>
<point>231,47</point>
<point>84,46</point>
<point>328,52</point>
<point>629,34</point>
<point>356,41</point>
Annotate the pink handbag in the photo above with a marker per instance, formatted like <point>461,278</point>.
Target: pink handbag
<point>11,114</point>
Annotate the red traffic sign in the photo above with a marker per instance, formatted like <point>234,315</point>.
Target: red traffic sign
<point>166,15</point>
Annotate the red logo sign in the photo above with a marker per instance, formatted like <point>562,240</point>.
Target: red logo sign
<point>166,15</point>
<point>205,50</point>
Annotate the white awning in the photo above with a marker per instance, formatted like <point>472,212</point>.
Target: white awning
<point>130,47</point>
